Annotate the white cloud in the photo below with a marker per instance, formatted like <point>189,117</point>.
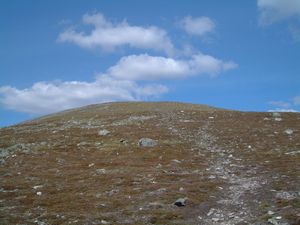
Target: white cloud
<point>119,83</point>
<point>286,106</point>
<point>280,104</point>
<point>48,97</point>
<point>198,26</point>
<point>282,110</point>
<point>295,32</point>
<point>107,35</point>
<point>275,10</point>
<point>145,67</point>
<point>296,100</point>
<point>130,79</point>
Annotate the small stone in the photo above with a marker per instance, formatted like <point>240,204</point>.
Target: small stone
<point>276,114</point>
<point>215,219</point>
<point>270,212</point>
<point>181,189</point>
<point>289,131</point>
<point>82,143</point>
<point>211,211</point>
<point>103,132</point>
<point>147,142</point>
<point>91,164</point>
<point>40,222</point>
<point>273,221</point>
<point>180,202</point>
<point>37,187</point>
<point>231,215</point>
<point>123,141</point>
<point>286,195</point>
<point>104,222</point>
<point>212,177</point>
<point>39,193</point>
<point>98,195</point>
<point>176,161</point>
<point>98,144</point>
<point>100,171</point>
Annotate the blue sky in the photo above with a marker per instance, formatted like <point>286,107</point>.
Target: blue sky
<point>55,55</point>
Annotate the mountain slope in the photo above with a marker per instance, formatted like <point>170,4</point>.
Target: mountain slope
<point>89,166</point>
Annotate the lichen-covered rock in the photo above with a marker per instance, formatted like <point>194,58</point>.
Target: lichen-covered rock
<point>147,142</point>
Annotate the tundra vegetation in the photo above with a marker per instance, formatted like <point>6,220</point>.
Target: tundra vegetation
<point>151,163</point>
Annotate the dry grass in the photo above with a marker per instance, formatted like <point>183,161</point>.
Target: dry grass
<point>135,177</point>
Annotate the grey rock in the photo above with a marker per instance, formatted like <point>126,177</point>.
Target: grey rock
<point>100,171</point>
<point>289,131</point>
<point>83,143</point>
<point>103,132</point>
<point>180,202</point>
<point>147,142</point>
<point>276,114</point>
<point>40,222</point>
<point>104,222</point>
<point>123,141</point>
<point>4,153</point>
<point>286,195</point>
<point>176,161</point>
<point>275,221</point>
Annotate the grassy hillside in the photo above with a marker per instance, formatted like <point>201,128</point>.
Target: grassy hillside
<point>86,166</point>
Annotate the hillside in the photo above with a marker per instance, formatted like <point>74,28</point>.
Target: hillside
<point>127,163</point>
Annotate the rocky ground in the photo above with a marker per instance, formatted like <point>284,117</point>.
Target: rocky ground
<point>128,163</point>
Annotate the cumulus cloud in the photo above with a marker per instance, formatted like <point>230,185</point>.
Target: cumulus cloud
<point>107,35</point>
<point>275,10</point>
<point>131,78</point>
<point>198,26</point>
<point>47,97</point>
<point>121,82</point>
<point>145,67</point>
